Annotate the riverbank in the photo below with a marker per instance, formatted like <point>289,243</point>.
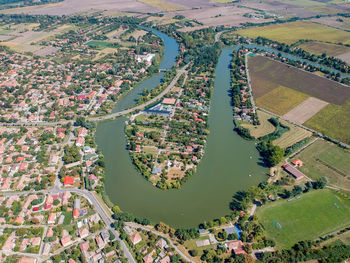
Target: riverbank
<point>225,168</point>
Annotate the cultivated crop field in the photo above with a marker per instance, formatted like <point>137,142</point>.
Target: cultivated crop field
<point>264,71</point>
<point>290,33</point>
<point>294,135</point>
<point>281,100</point>
<point>305,110</point>
<point>314,214</point>
<point>326,159</point>
<point>320,48</point>
<point>163,5</point>
<point>333,120</point>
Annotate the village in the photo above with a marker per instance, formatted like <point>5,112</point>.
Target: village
<point>61,87</point>
<point>167,140</point>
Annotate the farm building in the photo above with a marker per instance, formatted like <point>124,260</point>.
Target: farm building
<point>298,162</point>
<point>293,171</point>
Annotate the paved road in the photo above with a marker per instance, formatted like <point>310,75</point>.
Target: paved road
<point>162,235</point>
<point>144,105</point>
<point>94,201</point>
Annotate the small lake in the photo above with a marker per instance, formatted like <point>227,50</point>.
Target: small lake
<point>230,163</point>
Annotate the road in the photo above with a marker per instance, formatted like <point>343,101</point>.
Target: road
<point>162,235</point>
<point>144,105</point>
<point>107,116</point>
<point>94,201</point>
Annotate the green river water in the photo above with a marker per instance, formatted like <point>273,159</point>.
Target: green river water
<point>224,170</point>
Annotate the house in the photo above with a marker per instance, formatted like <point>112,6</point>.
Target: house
<point>27,260</point>
<point>52,218</point>
<point>298,162</point>
<point>293,171</point>
<point>170,101</point>
<point>80,141</point>
<point>84,232</point>
<point>149,258</point>
<point>66,241</point>
<point>84,248</point>
<point>236,246</point>
<point>68,180</point>
<point>135,238</point>
<point>162,243</point>
<point>156,170</point>
<point>165,260</point>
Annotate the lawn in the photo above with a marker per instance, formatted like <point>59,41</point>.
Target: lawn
<point>333,121</point>
<point>319,48</point>
<point>290,33</point>
<point>327,159</point>
<point>67,217</point>
<point>314,214</point>
<point>281,100</point>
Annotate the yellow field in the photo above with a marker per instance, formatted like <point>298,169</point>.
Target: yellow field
<point>281,100</point>
<point>263,129</point>
<point>162,5</point>
<point>287,139</point>
<point>318,48</point>
<point>292,32</point>
<point>295,134</point>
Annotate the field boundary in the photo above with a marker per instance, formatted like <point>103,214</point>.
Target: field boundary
<point>276,115</point>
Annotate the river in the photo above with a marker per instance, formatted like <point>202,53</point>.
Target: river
<point>230,163</point>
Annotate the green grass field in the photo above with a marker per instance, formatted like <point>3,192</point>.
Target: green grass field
<point>319,48</point>
<point>326,159</point>
<point>333,121</point>
<point>281,100</point>
<point>290,33</point>
<point>314,214</point>
<point>99,44</point>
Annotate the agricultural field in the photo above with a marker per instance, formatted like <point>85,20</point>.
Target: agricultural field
<point>267,74</point>
<point>163,5</point>
<point>312,215</point>
<point>345,57</point>
<point>333,121</point>
<point>305,110</point>
<point>319,48</point>
<point>294,135</point>
<point>281,100</point>
<point>290,33</point>
<point>327,159</point>
<point>328,109</point>
<point>24,39</point>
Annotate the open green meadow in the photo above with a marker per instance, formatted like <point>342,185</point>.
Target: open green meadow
<point>281,100</point>
<point>290,33</point>
<point>315,214</point>
<point>320,48</point>
<point>99,44</point>
<point>323,158</point>
<point>333,121</point>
